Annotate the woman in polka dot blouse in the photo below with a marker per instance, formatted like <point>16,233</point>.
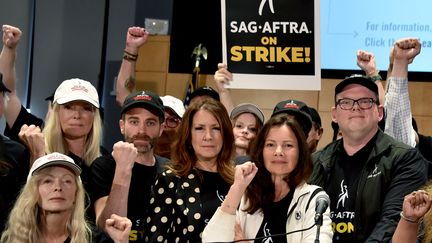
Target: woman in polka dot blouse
<point>277,200</point>
<point>187,194</point>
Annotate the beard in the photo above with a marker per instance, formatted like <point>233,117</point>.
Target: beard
<point>142,142</point>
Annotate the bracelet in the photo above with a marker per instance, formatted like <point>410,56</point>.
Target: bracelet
<point>130,54</point>
<point>409,219</point>
<point>130,58</point>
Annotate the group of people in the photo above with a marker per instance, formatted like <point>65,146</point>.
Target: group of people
<point>213,172</point>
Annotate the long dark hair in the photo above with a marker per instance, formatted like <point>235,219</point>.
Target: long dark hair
<point>261,191</point>
<point>183,155</point>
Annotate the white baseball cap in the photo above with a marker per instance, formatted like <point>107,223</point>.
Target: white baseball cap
<point>54,159</point>
<point>76,89</point>
<point>174,104</point>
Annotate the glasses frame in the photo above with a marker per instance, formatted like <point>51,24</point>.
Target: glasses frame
<point>172,119</point>
<point>362,104</point>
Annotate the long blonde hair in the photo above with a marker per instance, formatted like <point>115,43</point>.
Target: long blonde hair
<point>55,142</point>
<point>427,219</point>
<point>24,221</point>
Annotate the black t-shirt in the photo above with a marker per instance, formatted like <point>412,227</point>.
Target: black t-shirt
<point>85,171</point>
<point>143,178</point>
<point>241,159</point>
<point>275,220</point>
<point>24,117</point>
<point>86,179</point>
<point>213,190</point>
<point>342,189</point>
<point>14,168</point>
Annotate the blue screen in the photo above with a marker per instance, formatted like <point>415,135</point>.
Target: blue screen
<point>373,25</point>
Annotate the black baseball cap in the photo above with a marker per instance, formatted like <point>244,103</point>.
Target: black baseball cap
<point>2,85</point>
<point>147,100</point>
<point>315,116</point>
<point>50,97</point>
<point>205,90</point>
<point>357,79</point>
<point>297,109</point>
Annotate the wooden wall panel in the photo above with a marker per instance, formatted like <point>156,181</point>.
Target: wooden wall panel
<point>424,124</point>
<point>154,55</point>
<point>326,95</point>
<point>152,81</point>
<point>177,84</point>
<point>421,98</point>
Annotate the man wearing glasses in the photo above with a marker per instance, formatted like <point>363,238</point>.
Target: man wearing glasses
<point>366,173</point>
<point>174,110</point>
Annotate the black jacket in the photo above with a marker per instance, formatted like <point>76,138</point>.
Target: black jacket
<point>392,171</point>
<point>14,168</point>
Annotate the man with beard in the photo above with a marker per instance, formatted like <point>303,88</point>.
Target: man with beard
<point>122,181</point>
<point>136,37</point>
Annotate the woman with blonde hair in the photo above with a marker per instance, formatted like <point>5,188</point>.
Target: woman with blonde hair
<point>50,207</point>
<point>75,126</point>
<point>427,220</point>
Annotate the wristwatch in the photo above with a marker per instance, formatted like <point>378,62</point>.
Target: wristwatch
<point>376,77</point>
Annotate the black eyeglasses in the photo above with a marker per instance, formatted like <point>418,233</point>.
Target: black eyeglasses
<point>363,103</point>
<point>172,122</point>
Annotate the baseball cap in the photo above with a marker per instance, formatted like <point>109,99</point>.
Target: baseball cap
<point>205,90</point>
<point>174,104</point>
<point>76,89</point>
<point>357,79</point>
<point>315,116</point>
<point>247,108</point>
<point>2,86</point>
<point>50,97</point>
<point>298,109</point>
<point>54,159</point>
<point>147,100</point>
